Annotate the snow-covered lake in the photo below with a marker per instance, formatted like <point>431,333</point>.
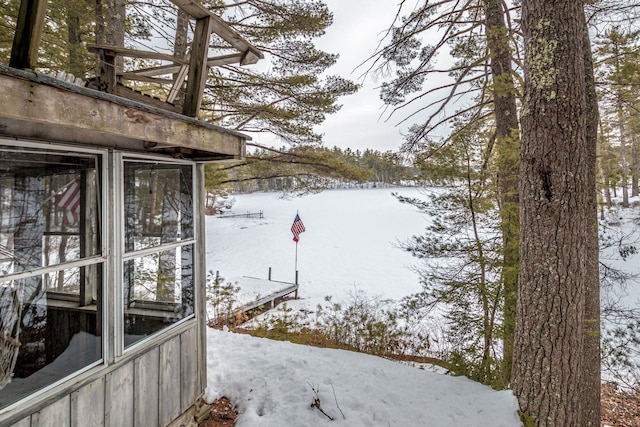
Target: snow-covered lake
<point>351,241</point>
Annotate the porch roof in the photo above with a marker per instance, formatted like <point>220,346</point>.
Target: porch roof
<point>37,106</point>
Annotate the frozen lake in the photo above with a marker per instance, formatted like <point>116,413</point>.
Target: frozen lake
<point>351,240</point>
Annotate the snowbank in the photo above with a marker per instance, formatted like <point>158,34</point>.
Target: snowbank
<point>272,385</point>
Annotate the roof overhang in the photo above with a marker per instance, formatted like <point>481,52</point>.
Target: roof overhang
<point>37,106</point>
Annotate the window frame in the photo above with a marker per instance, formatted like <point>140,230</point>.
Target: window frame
<point>121,256</point>
<point>104,259</point>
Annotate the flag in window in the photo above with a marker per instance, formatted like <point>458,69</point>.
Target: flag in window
<point>297,228</point>
<point>69,200</point>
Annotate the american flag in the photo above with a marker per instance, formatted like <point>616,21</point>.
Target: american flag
<point>69,200</point>
<point>297,228</point>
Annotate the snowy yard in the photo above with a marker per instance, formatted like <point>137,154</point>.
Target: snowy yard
<point>272,384</point>
<point>350,243</point>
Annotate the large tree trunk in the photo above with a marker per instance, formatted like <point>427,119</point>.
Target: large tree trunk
<point>557,199</point>
<point>507,145</point>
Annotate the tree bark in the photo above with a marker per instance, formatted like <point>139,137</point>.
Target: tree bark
<point>591,376</point>
<point>557,196</point>
<point>507,145</point>
<point>110,25</point>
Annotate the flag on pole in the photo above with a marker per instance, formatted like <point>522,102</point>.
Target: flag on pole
<point>297,228</point>
<point>69,200</point>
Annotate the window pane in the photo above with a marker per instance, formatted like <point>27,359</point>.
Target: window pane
<point>158,291</point>
<point>50,324</point>
<point>158,204</point>
<point>48,209</point>
<point>48,337</point>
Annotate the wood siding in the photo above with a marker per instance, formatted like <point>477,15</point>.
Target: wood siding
<point>129,393</point>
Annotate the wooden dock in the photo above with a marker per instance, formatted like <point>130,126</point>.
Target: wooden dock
<point>255,296</point>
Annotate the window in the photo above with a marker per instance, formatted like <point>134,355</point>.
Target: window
<point>51,267</point>
<point>159,242</point>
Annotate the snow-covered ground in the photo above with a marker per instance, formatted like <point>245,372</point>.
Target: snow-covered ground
<point>350,242</point>
<point>272,384</point>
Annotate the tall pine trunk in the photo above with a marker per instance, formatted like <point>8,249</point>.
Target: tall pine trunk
<point>507,146</point>
<point>557,200</point>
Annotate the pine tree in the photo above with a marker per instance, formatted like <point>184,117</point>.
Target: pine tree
<point>558,240</point>
<point>476,34</point>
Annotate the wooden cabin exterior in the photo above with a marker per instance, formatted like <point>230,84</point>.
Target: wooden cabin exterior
<point>102,251</point>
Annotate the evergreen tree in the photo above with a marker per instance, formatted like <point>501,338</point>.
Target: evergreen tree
<point>476,34</point>
<point>558,238</point>
<point>461,253</point>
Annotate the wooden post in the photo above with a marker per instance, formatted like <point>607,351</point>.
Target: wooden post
<point>24,53</point>
<point>197,67</point>
<point>107,60</point>
<point>269,273</point>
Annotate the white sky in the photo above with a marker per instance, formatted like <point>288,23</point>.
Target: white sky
<point>355,34</point>
<point>356,31</point>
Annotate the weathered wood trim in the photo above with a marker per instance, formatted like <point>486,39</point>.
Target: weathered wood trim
<point>137,77</point>
<point>172,68</point>
<point>221,28</point>
<point>197,67</point>
<point>201,281</point>
<point>65,110</point>
<point>26,40</point>
<point>177,83</point>
<point>135,53</point>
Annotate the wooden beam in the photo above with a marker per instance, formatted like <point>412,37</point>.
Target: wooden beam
<point>141,78</point>
<point>197,67</point>
<point>177,84</point>
<point>220,27</point>
<point>134,53</point>
<point>26,40</point>
<point>107,70</point>
<point>214,61</point>
<point>95,119</point>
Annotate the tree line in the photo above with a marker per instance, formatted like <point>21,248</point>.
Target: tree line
<point>308,169</point>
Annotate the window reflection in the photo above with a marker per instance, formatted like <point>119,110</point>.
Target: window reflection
<point>158,286</point>
<point>49,320</point>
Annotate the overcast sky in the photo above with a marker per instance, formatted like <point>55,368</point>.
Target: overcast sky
<point>355,34</point>
<point>357,28</point>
